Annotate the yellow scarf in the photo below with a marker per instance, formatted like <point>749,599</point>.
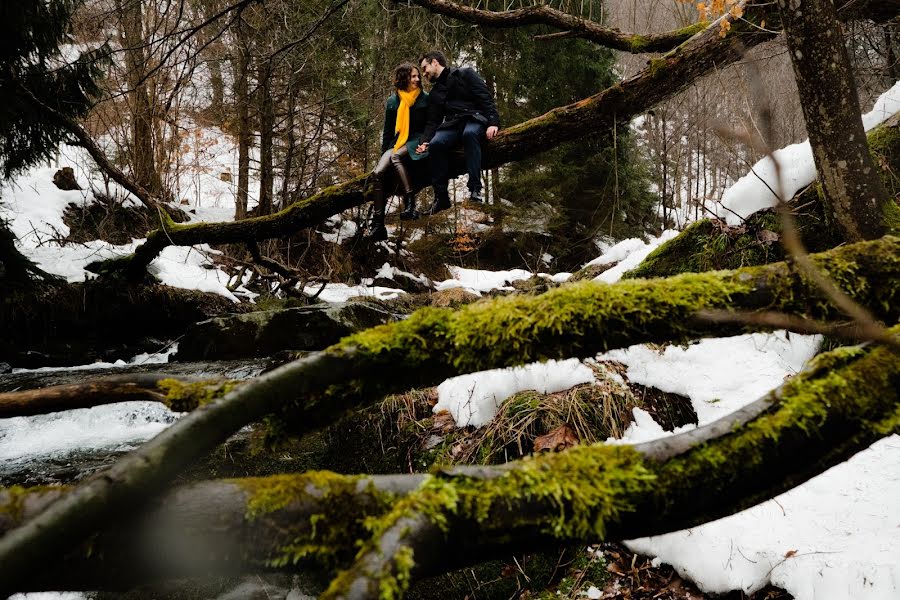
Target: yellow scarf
<point>407,99</point>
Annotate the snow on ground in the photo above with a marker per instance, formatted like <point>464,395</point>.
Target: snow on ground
<point>754,191</point>
<point>725,373</point>
<point>835,537</point>
<point>628,254</point>
<point>473,399</point>
<point>478,281</point>
<point>33,205</point>
<point>341,292</point>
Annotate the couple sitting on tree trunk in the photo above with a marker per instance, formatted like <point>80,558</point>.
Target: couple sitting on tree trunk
<point>417,125</point>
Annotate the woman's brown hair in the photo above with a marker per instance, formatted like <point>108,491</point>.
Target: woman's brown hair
<point>403,74</point>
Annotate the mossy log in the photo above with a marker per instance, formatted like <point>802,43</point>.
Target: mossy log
<point>603,111</point>
<point>576,320</point>
<point>580,319</point>
<point>313,522</point>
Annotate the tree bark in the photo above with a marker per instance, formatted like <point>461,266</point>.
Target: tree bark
<point>242,101</point>
<point>266,136</point>
<point>141,108</point>
<point>854,193</point>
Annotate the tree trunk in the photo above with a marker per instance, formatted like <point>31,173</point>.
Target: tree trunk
<point>854,193</point>
<point>242,101</point>
<point>142,115</point>
<point>266,125</point>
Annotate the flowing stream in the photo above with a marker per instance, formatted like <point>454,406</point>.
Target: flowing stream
<point>67,446</point>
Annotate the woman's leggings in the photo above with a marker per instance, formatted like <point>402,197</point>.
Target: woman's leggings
<point>393,159</point>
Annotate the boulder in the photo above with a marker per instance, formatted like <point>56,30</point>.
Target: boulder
<point>263,333</point>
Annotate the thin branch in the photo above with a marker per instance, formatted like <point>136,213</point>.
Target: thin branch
<point>848,331</point>
<point>85,141</point>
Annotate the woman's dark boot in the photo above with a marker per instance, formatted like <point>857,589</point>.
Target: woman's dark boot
<point>409,207</point>
<point>377,232</point>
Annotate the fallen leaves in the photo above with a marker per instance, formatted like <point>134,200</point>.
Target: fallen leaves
<point>560,438</point>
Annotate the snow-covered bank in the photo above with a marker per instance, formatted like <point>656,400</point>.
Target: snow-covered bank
<point>835,537</point>
<point>755,190</point>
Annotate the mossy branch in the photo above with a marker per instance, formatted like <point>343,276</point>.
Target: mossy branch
<point>575,320</point>
<point>612,492</point>
<point>541,14</point>
<point>424,524</point>
<point>178,395</point>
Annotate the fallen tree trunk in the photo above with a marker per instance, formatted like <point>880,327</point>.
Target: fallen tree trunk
<point>575,320</point>
<point>147,387</point>
<point>843,402</point>
<point>662,78</point>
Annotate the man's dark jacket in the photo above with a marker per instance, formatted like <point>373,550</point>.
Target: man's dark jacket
<point>459,95</point>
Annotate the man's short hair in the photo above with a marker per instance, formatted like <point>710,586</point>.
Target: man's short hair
<point>434,55</point>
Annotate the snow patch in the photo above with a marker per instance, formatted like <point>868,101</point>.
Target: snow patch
<point>473,399</point>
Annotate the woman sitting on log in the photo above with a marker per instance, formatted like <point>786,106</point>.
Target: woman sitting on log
<point>405,115</point>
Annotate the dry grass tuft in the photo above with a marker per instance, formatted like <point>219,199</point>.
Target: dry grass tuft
<point>592,412</point>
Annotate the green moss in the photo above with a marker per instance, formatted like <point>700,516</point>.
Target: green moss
<point>327,537</point>
<point>638,43</point>
<point>14,502</point>
<point>657,66</point>
<point>583,492</point>
<point>510,330</point>
<point>692,30</point>
<point>184,397</point>
<point>13,499</point>
<point>892,217</point>
<point>579,492</point>
<point>587,569</point>
<point>847,385</point>
<point>582,319</point>
<point>395,585</point>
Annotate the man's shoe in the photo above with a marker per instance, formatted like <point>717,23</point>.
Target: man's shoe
<point>476,197</point>
<point>377,233</point>
<point>438,205</point>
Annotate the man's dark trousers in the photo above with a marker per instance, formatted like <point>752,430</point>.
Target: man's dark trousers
<point>443,142</point>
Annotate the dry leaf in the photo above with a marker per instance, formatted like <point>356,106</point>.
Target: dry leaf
<point>790,553</point>
<point>443,422</point>
<point>767,237</point>
<point>559,439</point>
